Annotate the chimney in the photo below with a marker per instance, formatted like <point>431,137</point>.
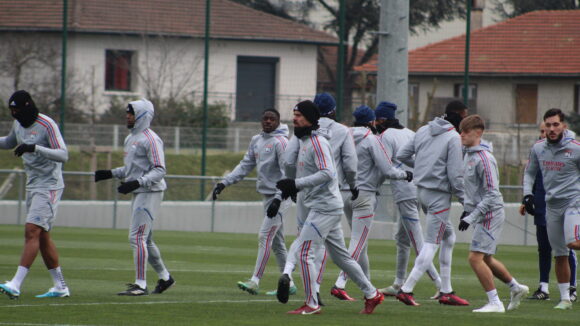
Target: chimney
<point>477,7</point>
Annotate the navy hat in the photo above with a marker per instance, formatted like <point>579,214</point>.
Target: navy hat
<point>326,103</point>
<point>386,110</point>
<point>364,115</point>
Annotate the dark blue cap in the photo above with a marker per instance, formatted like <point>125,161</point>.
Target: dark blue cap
<point>325,102</point>
<point>364,115</point>
<point>386,110</point>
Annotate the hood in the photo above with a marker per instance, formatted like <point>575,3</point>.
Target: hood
<point>439,126</point>
<point>326,133</point>
<point>568,136</point>
<point>483,146</point>
<point>359,133</point>
<point>282,130</point>
<point>144,113</point>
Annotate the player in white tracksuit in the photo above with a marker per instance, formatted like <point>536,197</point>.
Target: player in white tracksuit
<point>409,232</point>
<point>374,166</point>
<point>558,157</point>
<point>435,153</point>
<point>316,181</point>
<point>265,153</point>
<point>143,172</point>
<point>484,210</point>
<point>38,141</point>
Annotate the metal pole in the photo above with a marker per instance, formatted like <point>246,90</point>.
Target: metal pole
<point>466,70</point>
<point>340,63</point>
<point>393,72</point>
<point>63,64</point>
<point>115,202</point>
<point>205,82</point>
<point>20,195</point>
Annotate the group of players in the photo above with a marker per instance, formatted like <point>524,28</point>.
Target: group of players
<point>328,169</point>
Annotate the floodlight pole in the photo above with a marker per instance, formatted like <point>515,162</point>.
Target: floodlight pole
<point>63,64</point>
<point>466,70</point>
<point>340,63</point>
<point>205,88</point>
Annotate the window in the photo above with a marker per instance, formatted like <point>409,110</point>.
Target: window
<point>526,103</point>
<point>471,94</point>
<point>118,70</point>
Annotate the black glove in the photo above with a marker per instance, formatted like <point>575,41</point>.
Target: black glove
<point>127,187</point>
<point>288,187</point>
<point>103,175</point>
<point>529,204</point>
<point>409,177</point>
<point>463,215</point>
<point>273,208</point>
<point>463,225</point>
<point>354,192</point>
<point>217,190</point>
<point>294,197</point>
<point>24,148</point>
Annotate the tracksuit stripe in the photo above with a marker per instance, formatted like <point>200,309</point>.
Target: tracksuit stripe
<point>384,150</point>
<point>486,170</point>
<point>320,152</point>
<point>412,237</point>
<point>266,252</point>
<point>282,142</point>
<point>151,139</point>
<point>140,254</point>
<point>50,130</point>
<point>305,269</point>
<point>322,267</point>
<point>367,216</point>
<point>440,234</point>
<point>441,211</point>
<point>360,245</point>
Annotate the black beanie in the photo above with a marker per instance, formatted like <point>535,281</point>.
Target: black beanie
<point>26,109</point>
<point>310,111</point>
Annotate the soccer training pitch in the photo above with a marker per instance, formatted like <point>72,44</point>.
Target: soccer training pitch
<point>98,262</point>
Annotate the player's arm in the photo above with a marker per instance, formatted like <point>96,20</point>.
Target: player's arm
<point>156,157</point>
<point>455,167</point>
<point>383,161</point>
<point>57,149</point>
<point>290,157</point>
<point>281,146</point>
<point>406,153</point>
<point>8,142</point>
<point>243,168</point>
<point>349,160</point>
<point>487,172</point>
<point>530,173</point>
<point>322,157</point>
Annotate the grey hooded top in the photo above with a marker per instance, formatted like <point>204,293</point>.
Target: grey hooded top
<point>374,164</point>
<point>481,180</point>
<point>560,166</point>
<point>435,153</point>
<point>144,157</point>
<point>266,153</point>
<point>393,139</point>
<point>43,167</point>
<point>343,151</point>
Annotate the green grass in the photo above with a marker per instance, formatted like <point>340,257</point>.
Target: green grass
<point>98,262</point>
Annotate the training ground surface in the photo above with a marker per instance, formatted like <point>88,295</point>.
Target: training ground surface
<point>98,263</point>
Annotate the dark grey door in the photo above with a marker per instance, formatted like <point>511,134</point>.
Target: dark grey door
<point>256,86</point>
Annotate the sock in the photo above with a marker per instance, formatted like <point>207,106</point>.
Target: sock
<point>142,283</point>
<point>164,275</point>
<point>255,280</point>
<point>513,284</point>
<point>564,291</point>
<point>292,283</point>
<point>57,278</point>
<point>340,282</point>
<point>399,281</point>
<point>445,260</point>
<point>544,287</point>
<point>19,277</point>
<point>492,296</point>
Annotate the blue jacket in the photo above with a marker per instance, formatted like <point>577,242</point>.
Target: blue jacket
<point>539,200</point>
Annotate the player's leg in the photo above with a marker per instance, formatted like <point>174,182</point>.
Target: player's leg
<point>485,277</point>
<point>544,263</point>
<point>557,236</point>
<point>573,261</point>
<point>572,225</point>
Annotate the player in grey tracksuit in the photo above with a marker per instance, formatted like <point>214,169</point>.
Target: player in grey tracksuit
<point>265,153</point>
<point>38,141</point>
<point>435,153</point>
<point>374,166</point>
<point>484,210</point>
<point>409,232</point>
<point>558,157</point>
<point>316,181</point>
<point>143,172</point>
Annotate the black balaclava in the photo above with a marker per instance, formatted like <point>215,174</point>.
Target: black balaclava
<point>310,111</point>
<point>26,109</point>
<point>132,111</point>
<point>454,119</point>
<point>394,123</point>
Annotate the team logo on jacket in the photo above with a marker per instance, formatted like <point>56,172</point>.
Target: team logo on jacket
<point>568,153</point>
<point>268,148</point>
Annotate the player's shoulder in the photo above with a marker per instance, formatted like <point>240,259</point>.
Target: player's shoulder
<point>45,120</point>
<point>150,137</point>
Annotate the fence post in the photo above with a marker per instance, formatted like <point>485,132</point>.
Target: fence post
<point>115,137</point>
<point>237,140</point>
<point>176,140</point>
<point>115,200</point>
<point>526,230</point>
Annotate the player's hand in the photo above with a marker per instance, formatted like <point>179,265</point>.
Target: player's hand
<point>463,225</point>
<point>528,203</point>
<point>354,192</point>
<point>24,148</point>
<point>273,208</point>
<point>522,209</point>
<point>463,215</point>
<point>103,175</point>
<point>127,187</point>
<point>217,190</point>
<point>409,177</point>
<point>288,187</point>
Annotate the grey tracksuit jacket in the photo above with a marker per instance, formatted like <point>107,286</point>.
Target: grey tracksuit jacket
<point>393,139</point>
<point>438,160</point>
<point>374,165</point>
<point>343,151</point>
<point>481,183</point>
<point>144,157</point>
<point>316,176</point>
<point>560,166</point>
<point>43,167</point>
<point>266,153</point>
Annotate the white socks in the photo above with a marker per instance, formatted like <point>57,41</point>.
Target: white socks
<point>255,280</point>
<point>513,284</point>
<point>544,287</point>
<point>564,291</point>
<point>492,296</point>
<point>19,277</point>
<point>164,275</point>
<point>142,283</point>
<point>57,278</point>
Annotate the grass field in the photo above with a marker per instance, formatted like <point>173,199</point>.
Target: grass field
<point>206,266</point>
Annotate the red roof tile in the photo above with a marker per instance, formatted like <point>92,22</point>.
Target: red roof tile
<point>173,17</point>
<point>537,43</point>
